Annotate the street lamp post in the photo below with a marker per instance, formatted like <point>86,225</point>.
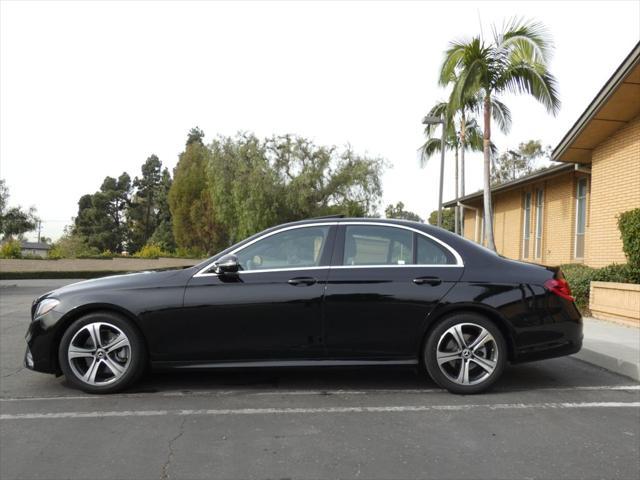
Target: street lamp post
<point>435,121</point>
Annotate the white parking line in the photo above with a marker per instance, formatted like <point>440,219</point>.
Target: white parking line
<point>326,410</point>
<point>202,393</point>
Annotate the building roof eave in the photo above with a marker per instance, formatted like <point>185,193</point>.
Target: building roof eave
<point>620,90</point>
<point>548,172</point>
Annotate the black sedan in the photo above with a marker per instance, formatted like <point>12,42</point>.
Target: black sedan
<point>321,292</point>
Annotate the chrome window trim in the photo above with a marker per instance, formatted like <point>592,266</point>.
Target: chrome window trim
<point>456,255</point>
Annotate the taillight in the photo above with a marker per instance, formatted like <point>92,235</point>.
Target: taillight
<point>559,287</point>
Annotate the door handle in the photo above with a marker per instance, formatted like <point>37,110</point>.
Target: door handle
<point>433,281</point>
<point>302,281</point>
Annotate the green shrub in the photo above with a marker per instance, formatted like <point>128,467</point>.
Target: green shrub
<point>580,277</point>
<point>54,254</point>
<point>629,225</point>
<point>72,246</point>
<point>106,255</point>
<point>33,256</point>
<point>151,251</point>
<point>11,249</point>
<point>182,252</point>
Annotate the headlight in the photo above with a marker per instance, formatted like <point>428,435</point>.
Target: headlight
<point>45,306</point>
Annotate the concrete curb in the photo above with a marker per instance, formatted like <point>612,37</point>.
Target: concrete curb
<point>611,346</point>
<point>610,363</point>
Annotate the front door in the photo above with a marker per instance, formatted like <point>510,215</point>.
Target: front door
<point>270,310</point>
<point>384,282</point>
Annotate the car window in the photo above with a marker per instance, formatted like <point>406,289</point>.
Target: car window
<point>431,253</point>
<point>301,247</point>
<point>375,245</point>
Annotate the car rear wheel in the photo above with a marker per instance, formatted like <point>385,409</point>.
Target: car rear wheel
<point>101,353</point>
<point>465,353</point>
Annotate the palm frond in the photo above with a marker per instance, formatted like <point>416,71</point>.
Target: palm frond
<point>526,40</point>
<point>440,109</point>
<point>452,59</point>
<point>473,136</point>
<point>469,83</point>
<point>474,103</point>
<point>428,149</point>
<point>501,114</point>
<point>535,80</point>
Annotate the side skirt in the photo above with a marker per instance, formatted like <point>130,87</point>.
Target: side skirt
<point>280,364</point>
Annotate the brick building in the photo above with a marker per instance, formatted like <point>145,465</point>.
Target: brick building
<point>568,213</point>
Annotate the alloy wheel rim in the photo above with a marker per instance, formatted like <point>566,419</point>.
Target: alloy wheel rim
<point>99,353</point>
<point>467,354</point>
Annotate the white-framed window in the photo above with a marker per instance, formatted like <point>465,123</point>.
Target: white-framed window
<point>581,216</point>
<point>539,218</point>
<point>526,227</point>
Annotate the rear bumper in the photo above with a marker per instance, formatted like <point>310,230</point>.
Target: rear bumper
<point>559,334</point>
<point>548,351</point>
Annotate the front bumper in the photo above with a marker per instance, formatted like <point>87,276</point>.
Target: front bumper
<point>41,352</point>
<point>28,359</point>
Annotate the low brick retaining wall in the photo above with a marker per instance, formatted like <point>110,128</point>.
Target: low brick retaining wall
<point>93,265</point>
<point>615,301</point>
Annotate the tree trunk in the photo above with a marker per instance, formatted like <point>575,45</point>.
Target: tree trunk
<point>456,209</point>
<point>488,217</point>
<point>463,145</point>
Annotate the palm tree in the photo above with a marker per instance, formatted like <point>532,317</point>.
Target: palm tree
<point>455,141</point>
<point>468,136</point>
<point>515,62</point>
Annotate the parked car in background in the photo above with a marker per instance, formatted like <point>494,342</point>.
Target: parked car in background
<point>321,292</point>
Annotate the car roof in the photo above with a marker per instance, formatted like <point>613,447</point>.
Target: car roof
<point>470,252</point>
<point>341,219</point>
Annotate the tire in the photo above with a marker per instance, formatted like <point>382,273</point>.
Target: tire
<point>483,353</point>
<point>116,362</point>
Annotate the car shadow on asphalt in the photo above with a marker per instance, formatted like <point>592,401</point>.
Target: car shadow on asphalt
<point>556,373</point>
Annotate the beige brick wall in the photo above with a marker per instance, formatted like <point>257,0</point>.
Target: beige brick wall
<point>558,220</point>
<point>507,217</point>
<point>620,301</point>
<point>612,188</point>
<point>470,221</point>
<point>615,188</point>
<point>469,224</point>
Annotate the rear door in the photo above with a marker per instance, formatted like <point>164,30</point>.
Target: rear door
<point>383,283</point>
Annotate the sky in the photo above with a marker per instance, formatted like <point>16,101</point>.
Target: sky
<point>90,89</point>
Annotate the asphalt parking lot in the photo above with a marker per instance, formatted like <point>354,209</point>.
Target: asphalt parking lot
<point>559,418</point>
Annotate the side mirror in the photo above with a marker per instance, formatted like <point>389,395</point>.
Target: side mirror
<point>227,264</point>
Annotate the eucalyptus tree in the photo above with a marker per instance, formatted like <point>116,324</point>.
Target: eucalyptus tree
<point>515,61</point>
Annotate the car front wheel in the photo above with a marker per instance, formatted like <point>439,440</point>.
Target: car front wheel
<point>465,353</point>
<point>101,353</point>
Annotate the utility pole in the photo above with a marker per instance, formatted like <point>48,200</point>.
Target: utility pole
<point>39,229</point>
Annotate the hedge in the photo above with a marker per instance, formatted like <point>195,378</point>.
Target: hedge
<point>580,277</point>
<point>629,225</point>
